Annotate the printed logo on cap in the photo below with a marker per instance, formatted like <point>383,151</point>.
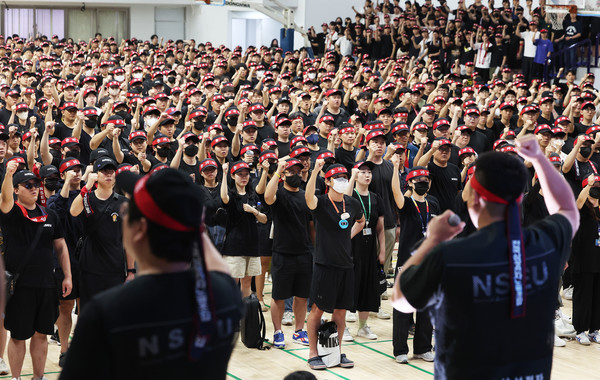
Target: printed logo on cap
<point>336,170</point>
<point>68,164</point>
<point>239,166</point>
<point>417,173</point>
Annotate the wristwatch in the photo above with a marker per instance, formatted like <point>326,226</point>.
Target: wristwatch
<point>132,270</point>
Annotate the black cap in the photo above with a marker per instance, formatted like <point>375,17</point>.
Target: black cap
<point>177,199</point>
<point>24,176</point>
<point>97,153</point>
<point>104,162</point>
<point>48,170</point>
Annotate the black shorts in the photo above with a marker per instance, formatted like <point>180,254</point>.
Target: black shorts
<point>291,275</point>
<point>92,284</point>
<point>31,310</point>
<point>60,276</point>
<point>332,288</point>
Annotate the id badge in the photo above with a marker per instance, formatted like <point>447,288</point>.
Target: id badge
<point>367,231</point>
<point>598,240</point>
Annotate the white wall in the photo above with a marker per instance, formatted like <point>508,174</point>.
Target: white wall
<point>142,21</point>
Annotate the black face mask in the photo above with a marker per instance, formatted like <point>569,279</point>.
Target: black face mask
<point>595,192</point>
<point>191,150</point>
<point>293,180</point>
<point>52,184</point>
<point>124,115</point>
<point>91,123</point>
<point>232,121</point>
<point>272,168</point>
<point>73,154</point>
<point>55,154</point>
<point>421,188</point>
<point>199,125</point>
<point>585,151</point>
<point>163,152</point>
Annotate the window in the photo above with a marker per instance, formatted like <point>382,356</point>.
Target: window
<point>29,22</point>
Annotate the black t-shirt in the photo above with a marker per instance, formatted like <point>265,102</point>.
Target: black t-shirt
<point>134,336</point>
<point>102,252</point>
<point>585,254</point>
<point>445,184</point>
<point>61,131</point>
<point>479,142</point>
<point>265,132</point>
<point>241,236</point>
<point>73,227</point>
<point>412,223</point>
<point>333,244</point>
<point>472,274</point>
<point>193,171</point>
<point>345,157</point>
<point>291,218</point>
<point>579,171</point>
<point>283,148</point>
<point>18,233</point>
<point>381,183</point>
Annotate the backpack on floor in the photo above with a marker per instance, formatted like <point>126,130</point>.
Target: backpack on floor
<point>253,328</point>
<point>328,345</point>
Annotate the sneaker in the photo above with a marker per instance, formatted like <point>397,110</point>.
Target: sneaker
<point>594,336</point>
<point>345,362</point>
<point>564,317</point>
<point>54,338</point>
<point>427,356</point>
<point>559,342</point>
<point>316,363</point>
<point>568,293</point>
<point>402,359</point>
<point>366,333</point>
<point>300,337</point>
<point>347,336</point>
<point>583,339</point>
<point>278,339</point>
<point>382,314</point>
<point>563,330</point>
<point>384,295</point>
<point>389,284</point>
<point>350,317</point>
<point>288,317</point>
<point>3,367</point>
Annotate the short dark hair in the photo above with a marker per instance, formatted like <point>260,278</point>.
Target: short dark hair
<point>502,174</point>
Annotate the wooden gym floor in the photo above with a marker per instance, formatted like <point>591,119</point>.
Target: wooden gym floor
<point>373,358</point>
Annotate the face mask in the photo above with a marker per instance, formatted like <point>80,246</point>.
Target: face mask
<point>113,91</point>
<point>55,154</point>
<point>272,168</point>
<point>151,122</point>
<point>137,76</point>
<point>340,185</point>
<point>312,75</point>
<point>120,78</point>
<point>260,73</point>
<point>171,80</point>
<point>22,115</point>
<point>293,180</point>
<point>2,81</point>
<point>199,125</point>
<point>312,139</point>
<point>191,150</point>
<point>73,153</point>
<point>88,73</point>
<point>232,121</point>
<point>421,188</point>
<point>52,184</point>
<point>585,151</point>
<point>163,152</point>
<point>91,123</point>
<point>558,143</point>
<point>56,72</point>
<point>124,115</point>
<point>595,192</point>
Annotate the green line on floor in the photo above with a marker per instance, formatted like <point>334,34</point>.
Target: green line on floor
<point>328,370</point>
<point>391,357</point>
<point>233,376</point>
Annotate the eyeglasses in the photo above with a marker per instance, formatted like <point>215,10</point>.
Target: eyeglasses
<point>31,185</point>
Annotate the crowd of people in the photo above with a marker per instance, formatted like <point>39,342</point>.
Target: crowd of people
<point>309,168</point>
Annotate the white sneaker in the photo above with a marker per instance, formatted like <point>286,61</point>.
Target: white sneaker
<point>382,314</point>
<point>350,317</point>
<point>559,342</point>
<point>402,359</point>
<point>287,319</point>
<point>384,295</point>
<point>594,336</point>
<point>3,367</point>
<point>366,333</point>
<point>427,356</point>
<point>347,336</point>
<point>564,317</point>
<point>563,330</point>
<point>568,293</point>
<point>583,339</point>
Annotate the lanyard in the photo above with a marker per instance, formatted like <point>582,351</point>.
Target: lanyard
<point>37,219</point>
<point>423,225</point>
<point>336,209</point>
<point>343,223</point>
<point>367,216</point>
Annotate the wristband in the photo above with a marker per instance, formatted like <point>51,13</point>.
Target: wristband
<point>277,174</point>
<point>84,191</point>
<point>134,271</point>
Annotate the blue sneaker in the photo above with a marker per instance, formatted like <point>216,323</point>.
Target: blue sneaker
<point>278,339</point>
<point>300,337</point>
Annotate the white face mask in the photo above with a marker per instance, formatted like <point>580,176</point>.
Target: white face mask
<point>3,81</point>
<point>120,78</point>
<point>558,143</point>
<point>260,74</point>
<point>22,115</point>
<point>113,91</point>
<point>312,76</point>
<point>340,185</point>
<point>151,122</point>
<point>137,76</point>
<point>88,73</point>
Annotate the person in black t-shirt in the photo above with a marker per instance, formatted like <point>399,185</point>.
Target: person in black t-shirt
<point>577,165</point>
<point>30,232</point>
<point>450,276</point>
<point>346,153</point>
<point>186,159</point>
<point>191,331</point>
<point>103,261</point>
<point>415,212</point>
<point>338,218</point>
<point>291,268</point>
<point>445,176</point>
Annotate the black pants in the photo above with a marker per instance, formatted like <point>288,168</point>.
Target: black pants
<point>423,332</point>
<point>528,69</point>
<point>586,301</point>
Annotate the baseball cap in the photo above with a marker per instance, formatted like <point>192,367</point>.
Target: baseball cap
<point>104,162</point>
<point>48,170</point>
<point>24,176</point>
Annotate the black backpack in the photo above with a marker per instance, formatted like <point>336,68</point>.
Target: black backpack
<point>253,329</point>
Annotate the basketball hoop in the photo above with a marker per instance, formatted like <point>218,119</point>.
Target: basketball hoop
<point>557,13</point>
